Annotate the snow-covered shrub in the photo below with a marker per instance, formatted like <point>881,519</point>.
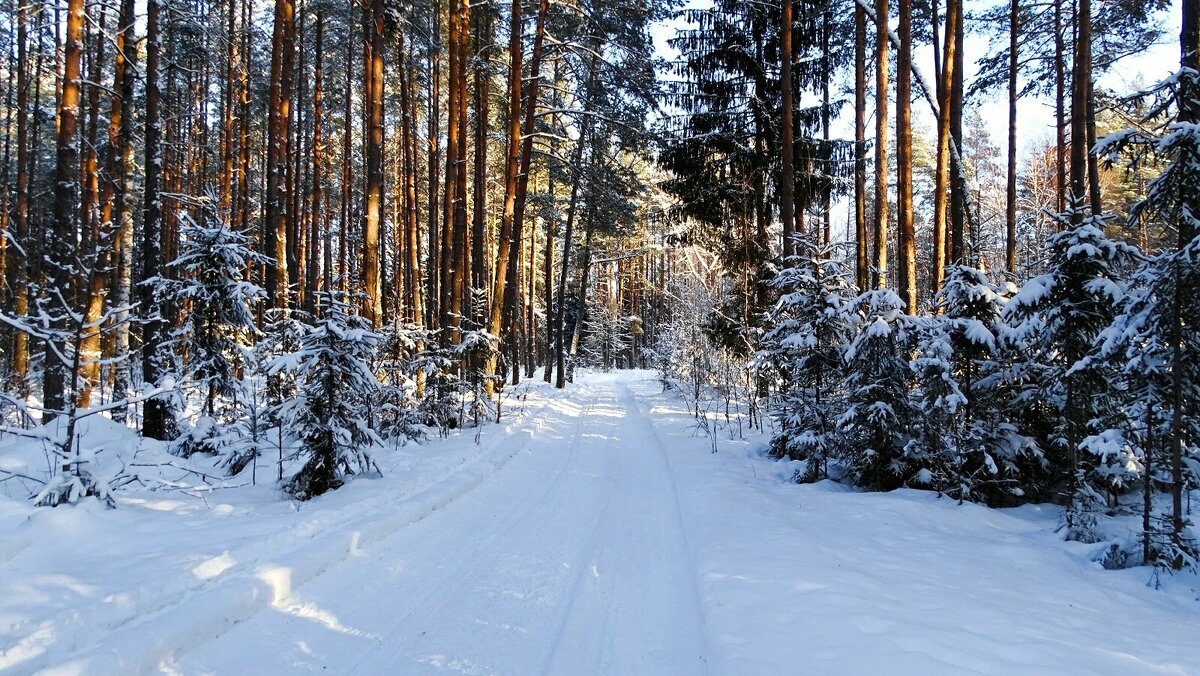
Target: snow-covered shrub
<point>991,456</point>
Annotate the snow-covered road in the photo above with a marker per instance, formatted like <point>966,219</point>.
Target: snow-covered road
<point>595,532</point>
<point>570,559</point>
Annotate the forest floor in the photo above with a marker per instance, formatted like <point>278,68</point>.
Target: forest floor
<point>595,531</point>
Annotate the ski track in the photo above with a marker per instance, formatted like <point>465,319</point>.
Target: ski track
<point>569,559</point>
<point>163,620</point>
<point>597,534</point>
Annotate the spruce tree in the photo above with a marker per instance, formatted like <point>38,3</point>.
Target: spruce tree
<point>804,350</point>
<point>330,412</point>
<point>1058,388</point>
<point>878,419</point>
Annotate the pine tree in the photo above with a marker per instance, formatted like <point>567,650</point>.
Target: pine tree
<point>1157,334</point>
<point>330,412</point>
<point>876,425</point>
<point>988,454</point>
<point>1058,388</point>
<point>804,348</point>
<point>217,330</point>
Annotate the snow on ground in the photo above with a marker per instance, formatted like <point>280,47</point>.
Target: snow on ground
<point>594,532</point>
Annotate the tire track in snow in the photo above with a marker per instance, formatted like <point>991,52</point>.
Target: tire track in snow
<point>164,630</point>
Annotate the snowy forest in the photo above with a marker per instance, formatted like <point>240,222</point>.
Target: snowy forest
<point>252,243</point>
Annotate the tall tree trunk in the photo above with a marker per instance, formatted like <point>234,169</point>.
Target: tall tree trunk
<point>906,241</point>
<point>1060,118</point>
<point>347,144</point>
<point>942,180</point>
<point>448,253</point>
<point>1010,205</point>
<point>96,230</point>
<point>20,269</point>
<point>826,168</point>
<point>433,297</point>
<point>958,187</point>
<point>317,240</point>
<point>278,125</point>
<point>55,383</point>
<point>227,106</point>
<point>881,143</point>
<point>787,188</point>
<point>120,170</point>
<point>483,42</point>
<point>157,419</point>
<point>1080,91</point>
<point>413,236</point>
<point>518,232</point>
<point>1189,114</point>
<point>861,266</point>
<point>373,69</point>
<point>511,169</point>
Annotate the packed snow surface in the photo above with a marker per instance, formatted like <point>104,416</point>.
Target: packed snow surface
<point>595,532</point>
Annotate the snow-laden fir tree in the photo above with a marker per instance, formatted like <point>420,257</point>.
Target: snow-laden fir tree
<point>1058,388</point>
<point>218,328</point>
<point>332,406</point>
<point>804,351</point>
<point>1157,337</point>
<point>988,453</point>
<point>933,450</point>
<point>878,418</point>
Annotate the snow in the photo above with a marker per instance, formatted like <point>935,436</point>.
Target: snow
<point>594,532</point>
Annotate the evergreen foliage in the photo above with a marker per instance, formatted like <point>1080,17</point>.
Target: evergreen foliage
<point>331,412</point>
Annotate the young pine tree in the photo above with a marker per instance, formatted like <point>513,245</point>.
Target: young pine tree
<point>1158,334</point>
<point>217,331</point>
<point>804,348</point>
<point>877,421</point>
<point>1058,388</point>
<point>335,391</point>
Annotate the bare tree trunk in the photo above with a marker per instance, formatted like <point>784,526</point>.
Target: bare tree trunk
<point>958,186</point>
<point>121,169</point>
<point>347,145</point>
<point>906,241</point>
<point>157,421</point>
<point>483,41</point>
<point>20,270</point>
<point>1060,95</point>
<point>316,238</point>
<point>787,188</point>
<point>433,297</point>
<point>373,68</point>
<point>55,385</point>
<point>1189,114</point>
<point>227,107</point>
<point>1080,90</point>
<point>512,167</point>
<point>881,143</point>
<point>278,125</point>
<point>860,147</point>
<point>1010,207</point>
<point>941,187</point>
<point>95,227</point>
